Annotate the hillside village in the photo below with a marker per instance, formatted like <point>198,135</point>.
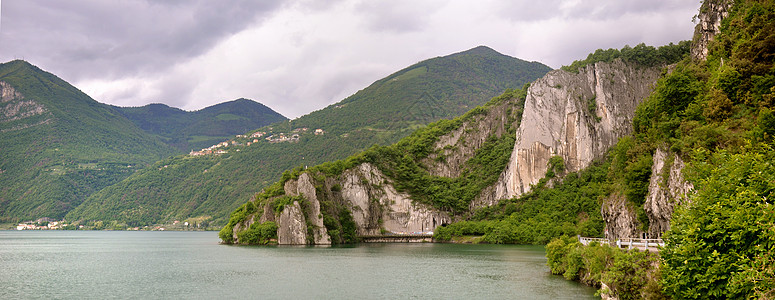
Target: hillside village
<point>245,140</point>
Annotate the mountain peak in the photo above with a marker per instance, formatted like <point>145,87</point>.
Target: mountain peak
<point>479,51</point>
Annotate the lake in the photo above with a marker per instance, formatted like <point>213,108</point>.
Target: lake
<point>192,265</point>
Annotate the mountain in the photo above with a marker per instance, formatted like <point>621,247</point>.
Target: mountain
<point>195,130</point>
<point>434,89</point>
<point>675,142</point>
<point>211,186</point>
<point>468,167</point>
<point>59,146</point>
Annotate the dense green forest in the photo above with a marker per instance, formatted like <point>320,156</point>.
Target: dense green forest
<point>199,129</point>
<point>384,112</point>
<point>434,89</point>
<point>65,147</point>
<point>717,114</point>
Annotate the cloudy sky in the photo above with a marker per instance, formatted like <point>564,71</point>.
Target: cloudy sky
<point>297,56</point>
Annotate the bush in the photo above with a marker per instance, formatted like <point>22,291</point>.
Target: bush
<point>626,274</point>
<point>258,234</point>
<point>718,246</point>
<point>225,234</point>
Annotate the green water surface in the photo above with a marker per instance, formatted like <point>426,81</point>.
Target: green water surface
<point>192,265</point>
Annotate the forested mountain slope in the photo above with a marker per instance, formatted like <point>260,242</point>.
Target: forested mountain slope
<point>210,186</point>
<point>59,146</point>
<point>194,130</point>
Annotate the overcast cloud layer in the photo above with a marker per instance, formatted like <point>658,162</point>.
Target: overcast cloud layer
<point>297,56</point>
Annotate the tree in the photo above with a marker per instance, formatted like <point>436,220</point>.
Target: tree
<point>721,245</point>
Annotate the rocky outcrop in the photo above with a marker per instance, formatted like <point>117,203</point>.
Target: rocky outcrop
<point>17,112</point>
<point>710,16</point>
<point>370,197</point>
<point>377,206</point>
<point>457,147</point>
<point>8,93</point>
<point>291,226</point>
<point>620,218</point>
<point>667,188</point>
<point>304,187</point>
<point>576,116</point>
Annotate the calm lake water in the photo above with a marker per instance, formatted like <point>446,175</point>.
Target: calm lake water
<point>192,265</point>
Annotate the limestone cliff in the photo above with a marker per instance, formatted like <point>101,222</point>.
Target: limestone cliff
<point>576,116</point>
<point>667,188</point>
<point>17,112</point>
<point>364,191</point>
<point>710,16</point>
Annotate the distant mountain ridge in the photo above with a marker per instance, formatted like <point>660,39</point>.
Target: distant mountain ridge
<point>211,186</point>
<point>59,145</point>
<point>437,88</point>
<point>193,130</point>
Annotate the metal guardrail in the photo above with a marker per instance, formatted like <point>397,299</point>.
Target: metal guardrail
<point>629,243</point>
<point>396,238</point>
<point>586,241</point>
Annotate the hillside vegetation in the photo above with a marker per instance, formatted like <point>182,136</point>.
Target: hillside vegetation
<point>59,146</point>
<point>384,112</point>
<point>717,115</point>
<point>194,130</point>
<point>405,164</point>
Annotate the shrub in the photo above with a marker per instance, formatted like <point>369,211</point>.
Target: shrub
<point>626,274</point>
<point>258,234</point>
<point>718,245</point>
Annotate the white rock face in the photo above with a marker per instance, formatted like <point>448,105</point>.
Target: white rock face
<point>461,144</point>
<point>13,106</point>
<point>8,93</point>
<point>291,226</point>
<point>558,120</point>
<point>710,16</point>
<point>577,116</point>
<point>620,218</point>
<point>374,199</point>
<point>665,192</point>
<point>304,186</point>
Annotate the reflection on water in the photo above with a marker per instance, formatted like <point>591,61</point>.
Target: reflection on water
<point>103,264</point>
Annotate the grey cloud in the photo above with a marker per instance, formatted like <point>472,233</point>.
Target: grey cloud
<point>605,10</point>
<point>396,16</point>
<point>599,10</point>
<point>114,39</point>
<point>528,10</point>
<point>180,52</point>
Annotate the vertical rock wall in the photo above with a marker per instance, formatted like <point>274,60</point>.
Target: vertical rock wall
<point>371,198</point>
<point>576,116</point>
<point>306,188</point>
<point>291,226</point>
<point>667,189</point>
<point>710,16</point>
